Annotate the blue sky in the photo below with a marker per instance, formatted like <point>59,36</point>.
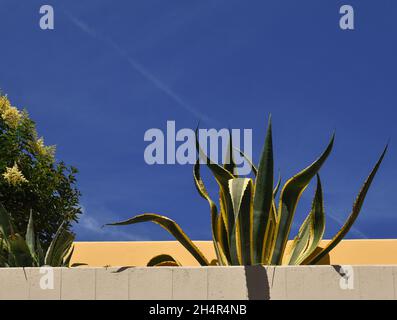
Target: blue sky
<point>113,69</point>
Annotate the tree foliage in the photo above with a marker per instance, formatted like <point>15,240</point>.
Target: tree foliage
<point>32,179</point>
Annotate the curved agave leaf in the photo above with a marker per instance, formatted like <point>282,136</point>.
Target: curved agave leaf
<point>3,261</point>
<point>19,253</point>
<point>270,234</point>
<point>59,247</point>
<point>311,231</point>
<point>277,187</point>
<point>172,227</point>
<point>40,252</point>
<point>6,228</point>
<point>223,242</point>
<point>249,161</point>
<point>219,247</point>
<point>163,260</point>
<point>214,262</point>
<point>226,211</point>
<point>222,176</point>
<point>229,164</point>
<point>353,216</point>
<point>290,195</point>
<point>241,195</point>
<point>168,264</point>
<point>30,237</point>
<point>68,257</point>
<point>263,198</point>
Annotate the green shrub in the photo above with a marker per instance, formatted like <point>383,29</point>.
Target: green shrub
<point>32,179</point>
<point>19,251</point>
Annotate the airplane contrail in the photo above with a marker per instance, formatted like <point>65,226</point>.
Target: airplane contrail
<point>140,69</point>
<point>353,229</point>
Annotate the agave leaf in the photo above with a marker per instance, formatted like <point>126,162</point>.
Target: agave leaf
<point>30,237</point>
<point>50,251</point>
<point>249,161</point>
<point>172,227</point>
<point>19,253</point>
<point>270,235</point>
<point>221,175</point>
<point>263,197</point>
<point>290,195</point>
<point>168,264</point>
<point>68,257</point>
<point>353,215</point>
<point>59,247</point>
<point>223,242</point>
<point>228,218</point>
<point>219,248</point>
<point>318,222</point>
<point>214,262</point>
<point>163,260</point>
<point>229,164</point>
<point>277,187</point>
<point>3,262</point>
<point>311,231</point>
<point>237,189</point>
<point>6,228</point>
<point>40,252</point>
<point>241,190</point>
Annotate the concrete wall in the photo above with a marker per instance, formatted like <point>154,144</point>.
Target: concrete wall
<point>217,283</point>
<point>136,253</point>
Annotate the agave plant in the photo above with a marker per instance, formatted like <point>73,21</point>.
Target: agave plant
<point>17,251</point>
<point>250,228</point>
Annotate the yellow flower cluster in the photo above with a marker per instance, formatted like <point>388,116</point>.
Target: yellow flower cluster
<point>42,149</point>
<point>4,103</point>
<point>9,114</point>
<point>14,176</point>
<point>40,146</point>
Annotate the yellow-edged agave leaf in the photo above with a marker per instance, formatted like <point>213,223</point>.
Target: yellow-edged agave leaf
<point>277,187</point>
<point>30,236</point>
<point>311,231</point>
<point>59,246</point>
<point>241,194</point>
<point>172,227</point>
<point>19,254</point>
<point>163,260</point>
<point>227,214</point>
<point>353,215</point>
<point>229,164</point>
<point>221,175</point>
<point>223,241</point>
<point>214,262</point>
<point>226,211</point>
<point>219,249</point>
<point>168,264</point>
<point>289,197</point>
<point>249,161</point>
<point>270,236</point>
<point>263,198</point>
<point>68,257</point>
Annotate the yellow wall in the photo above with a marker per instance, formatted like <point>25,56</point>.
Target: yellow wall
<point>98,254</point>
